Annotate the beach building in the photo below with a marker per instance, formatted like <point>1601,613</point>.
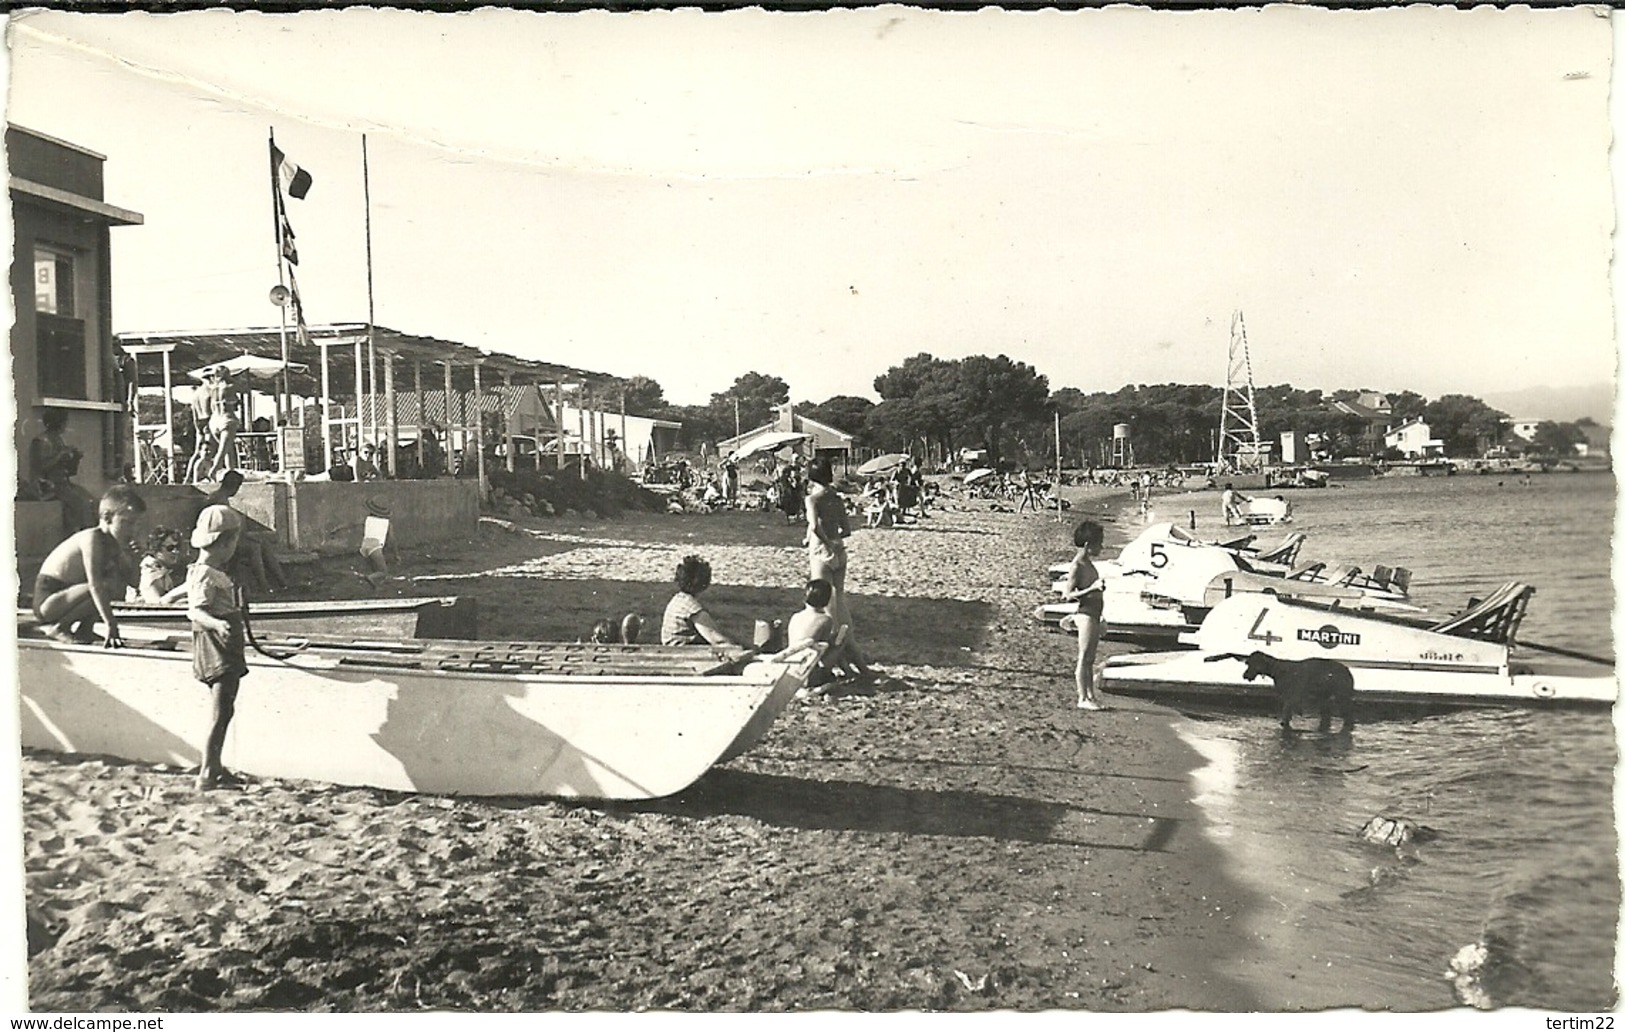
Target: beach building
<point>448,406</point>
<point>824,440</point>
<point>1376,412</point>
<point>640,441</point>
<point>62,354</point>
<point>1414,440</point>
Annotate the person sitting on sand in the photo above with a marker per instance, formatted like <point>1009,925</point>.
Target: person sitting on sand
<point>880,511</point>
<point>217,631</point>
<point>814,624</point>
<point>160,568</point>
<point>83,576</point>
<point>686,621</point>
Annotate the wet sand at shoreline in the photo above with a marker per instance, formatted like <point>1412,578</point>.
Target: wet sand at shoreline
<point>953,836</point>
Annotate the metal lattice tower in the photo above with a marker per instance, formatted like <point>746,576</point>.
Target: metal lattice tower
<point>1238,420</point>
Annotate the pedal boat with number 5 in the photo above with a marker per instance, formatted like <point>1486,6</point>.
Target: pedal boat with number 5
<point>536,719</point>
<point>1469,660</point>
<point>1165,583</point>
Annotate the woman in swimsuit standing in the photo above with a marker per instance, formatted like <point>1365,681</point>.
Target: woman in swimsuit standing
<point>1084,586</point>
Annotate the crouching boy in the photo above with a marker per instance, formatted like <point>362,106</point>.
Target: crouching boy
<point>217,631</point>
<point>84,575</point>
<point>814,623</point>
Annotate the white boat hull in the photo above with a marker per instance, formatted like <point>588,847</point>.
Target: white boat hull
<point>1188,675</point>
<point>1392,662</point>
<point>352,719</point>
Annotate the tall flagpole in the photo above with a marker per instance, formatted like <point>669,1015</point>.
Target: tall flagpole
<point>372,358</point>
<point>281,271</point>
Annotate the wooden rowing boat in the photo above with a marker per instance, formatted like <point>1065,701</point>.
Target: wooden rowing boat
<point>451,718</point>
<point>452,616</point>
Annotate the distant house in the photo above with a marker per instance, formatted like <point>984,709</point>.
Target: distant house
<point>826,440</point>
<point>1525,428</point>
<point>1414,440</point>
<point>1597,440</point>
<point>1376,412</point>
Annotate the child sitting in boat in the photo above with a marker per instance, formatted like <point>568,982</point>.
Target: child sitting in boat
<point>217,631</point>
<point>160,568</point>
<point>84,575</point>
<point>814,624</point>
<point>686,622</point>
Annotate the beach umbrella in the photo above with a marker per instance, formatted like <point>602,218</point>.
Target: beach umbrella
<point>253,365</point>
<point>882,464</point>
<point>977,474</point>
<point>770,442</point>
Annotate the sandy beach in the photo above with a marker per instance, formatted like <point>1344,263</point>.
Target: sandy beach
<point>953,836</point>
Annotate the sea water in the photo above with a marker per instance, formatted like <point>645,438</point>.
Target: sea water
<point>1523,873</point>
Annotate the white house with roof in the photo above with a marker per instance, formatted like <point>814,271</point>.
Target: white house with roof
<point>1414,440</point>
<point>825,439</point>
<point>1525,428</point>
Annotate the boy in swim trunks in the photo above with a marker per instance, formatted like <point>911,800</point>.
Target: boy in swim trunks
<point>814,624</point>
<point>217,631</point>
<point>84,575</point>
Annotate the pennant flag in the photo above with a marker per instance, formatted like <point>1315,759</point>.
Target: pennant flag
<point>293,178</point>
<point>285,234</point>
<point>301,330</point>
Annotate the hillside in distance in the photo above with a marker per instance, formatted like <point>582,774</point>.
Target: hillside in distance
<point>1559,404</point>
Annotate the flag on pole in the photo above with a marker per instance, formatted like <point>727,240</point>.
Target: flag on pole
<point>290,250</point>
<point>301,330</point>
<point>294,179</point>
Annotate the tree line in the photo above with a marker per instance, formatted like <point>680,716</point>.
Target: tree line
<point>935,407</point>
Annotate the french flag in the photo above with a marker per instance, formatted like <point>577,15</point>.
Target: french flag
<point>293,178</point>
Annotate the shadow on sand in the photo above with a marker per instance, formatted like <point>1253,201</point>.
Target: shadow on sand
<point>810,805</point>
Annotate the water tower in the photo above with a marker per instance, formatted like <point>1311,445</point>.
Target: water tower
<point>1122,449</point>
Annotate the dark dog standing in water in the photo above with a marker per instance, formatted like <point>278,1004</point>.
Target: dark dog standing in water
<point>1305,684</point>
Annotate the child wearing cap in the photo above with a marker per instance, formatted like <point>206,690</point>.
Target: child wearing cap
<point>217,630</point>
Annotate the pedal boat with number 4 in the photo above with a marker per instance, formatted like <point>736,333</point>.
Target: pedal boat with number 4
<point>447,718</point>
<point>1469,660</point>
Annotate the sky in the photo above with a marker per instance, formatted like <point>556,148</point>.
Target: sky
<point>1406,199</point>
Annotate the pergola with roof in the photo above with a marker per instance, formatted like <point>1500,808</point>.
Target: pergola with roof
<point>372,387</point>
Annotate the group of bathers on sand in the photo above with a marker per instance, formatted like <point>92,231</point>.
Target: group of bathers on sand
<point>825,617</point>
